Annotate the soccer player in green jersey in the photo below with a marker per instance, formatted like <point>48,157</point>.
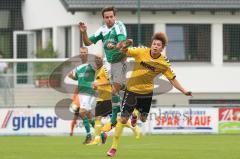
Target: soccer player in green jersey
<point>113,34</point>
<point>85,75</point>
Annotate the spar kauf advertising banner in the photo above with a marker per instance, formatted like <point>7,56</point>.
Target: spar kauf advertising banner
<point>183,120</point>
<point>34,121</point>
<point>229,120</point>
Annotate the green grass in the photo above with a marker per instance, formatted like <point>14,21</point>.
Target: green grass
<point>148,147</point>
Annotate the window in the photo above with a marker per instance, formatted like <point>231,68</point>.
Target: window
<point>22,42</point>
<point>231,41</point>
<point>10,20</point>
<point>68,42</point>
<point>39,39</point>
<point>22,68</point>
<point>146,33</point>
<point>4,18</point>
<point>5,34</point>
<point>81,40</point>
<point>6,41</point>
<point>189,42</point>
<point>51,34</point>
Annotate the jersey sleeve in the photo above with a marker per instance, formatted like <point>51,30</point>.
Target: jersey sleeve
<point>94,38</point>
<point>74,73</point>
<point>105,71</point>
<point>134,51</point>
<point>120,31</point>
<point>169,74</point>
<point>121,37</point>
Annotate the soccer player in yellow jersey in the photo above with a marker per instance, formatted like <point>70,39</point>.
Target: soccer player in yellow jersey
<point>104,103</point>
<point>149,62</point>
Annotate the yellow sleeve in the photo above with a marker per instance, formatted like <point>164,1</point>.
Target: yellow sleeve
<point>169,74</point>
<point>133,51</point>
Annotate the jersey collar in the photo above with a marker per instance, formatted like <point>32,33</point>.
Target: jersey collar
<point>153,57</point>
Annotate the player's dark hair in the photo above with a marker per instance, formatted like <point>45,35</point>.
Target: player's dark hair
<point>160,36</point>
<point>109,8</point>
<point>84,48</point>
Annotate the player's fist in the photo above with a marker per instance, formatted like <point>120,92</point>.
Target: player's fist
<point>94,85</point>
<point>124,44</point>
<point>110,45</point>
<point>188,93</point>
<point>128,42</point>
<point>82,27</point>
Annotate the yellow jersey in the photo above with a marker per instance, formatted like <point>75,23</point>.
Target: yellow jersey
<point>104,91</point>
<point>145,69</point>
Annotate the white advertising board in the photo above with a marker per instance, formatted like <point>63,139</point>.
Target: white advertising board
<point>31,121</point>
<point>183,120</point>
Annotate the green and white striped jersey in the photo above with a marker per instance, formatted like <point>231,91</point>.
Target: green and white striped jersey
<point>114,35</point>
<point>85,75</point>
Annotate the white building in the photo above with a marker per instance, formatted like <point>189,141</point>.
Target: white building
<point>204,38</point>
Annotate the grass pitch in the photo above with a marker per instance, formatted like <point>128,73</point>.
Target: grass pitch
<point>147,147</point>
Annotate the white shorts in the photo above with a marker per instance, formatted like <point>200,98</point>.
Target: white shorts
<point>86,101</point>
<point>116,72</point>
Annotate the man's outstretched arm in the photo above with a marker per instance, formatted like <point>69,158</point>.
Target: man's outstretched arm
<point>83,31</point>
<point>121,46</point>
<point>178,86</point>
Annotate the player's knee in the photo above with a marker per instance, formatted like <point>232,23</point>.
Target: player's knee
<point>124,117</point>
<point>116,88</point>
<point>143,117</point>
<point>98,118</point>
<point>117,136</point>
<point>83,111</point>
<point>124,120</point>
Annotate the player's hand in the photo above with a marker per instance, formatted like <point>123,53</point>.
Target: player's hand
<point>110,45</point>
<point>124,44</point>
<point>82,27</point>
<point>94,85</point>
<point>128,42</point>
<point>188,93</point>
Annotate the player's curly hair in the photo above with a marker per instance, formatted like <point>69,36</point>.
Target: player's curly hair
<point>109,8</point>
<point>162,37</point>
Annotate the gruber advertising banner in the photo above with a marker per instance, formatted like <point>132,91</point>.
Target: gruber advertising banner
<point>34,121</point>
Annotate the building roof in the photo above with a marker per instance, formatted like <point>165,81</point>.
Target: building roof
<point>152,5</point>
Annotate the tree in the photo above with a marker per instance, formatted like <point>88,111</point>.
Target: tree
<point>42,70</point>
